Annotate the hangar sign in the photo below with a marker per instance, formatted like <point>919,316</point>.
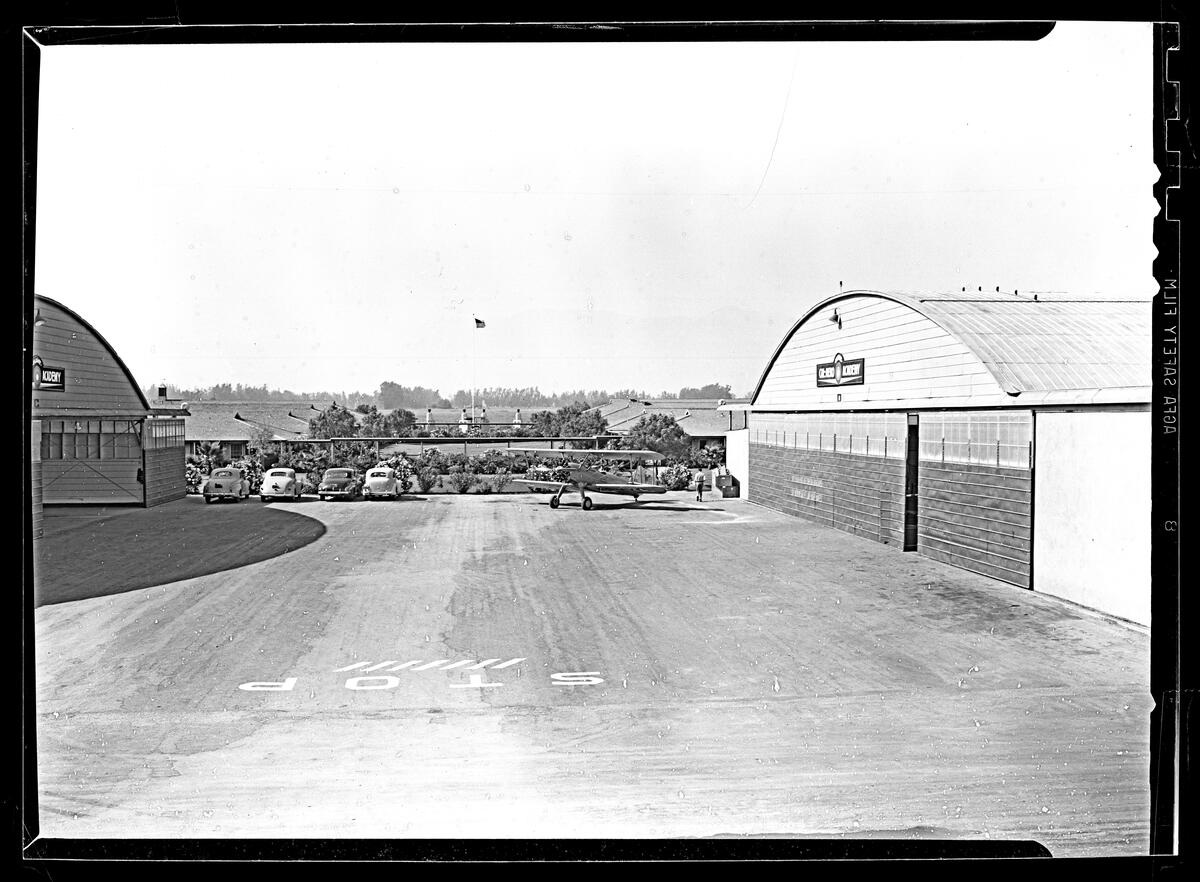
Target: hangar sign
<point>842,372</point>
<point>48,379</point>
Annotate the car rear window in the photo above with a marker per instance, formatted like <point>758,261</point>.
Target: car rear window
<point>223,473</point>
<point>338,473</point>
<point>279,474</point>
<point>379,474</point>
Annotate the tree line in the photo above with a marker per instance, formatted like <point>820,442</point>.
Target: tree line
<point>390,396</point>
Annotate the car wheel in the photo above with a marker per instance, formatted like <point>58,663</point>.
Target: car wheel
<point>208,500</point>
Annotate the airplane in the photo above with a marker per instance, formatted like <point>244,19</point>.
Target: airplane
<point>583,480</point>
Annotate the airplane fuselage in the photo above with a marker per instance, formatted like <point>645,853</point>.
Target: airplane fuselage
<point>589,479</point>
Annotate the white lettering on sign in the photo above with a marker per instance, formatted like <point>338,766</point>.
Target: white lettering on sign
<point>579,678</point>
<point>270,686</point>
<point>476,683</point>
<point>361,682</point>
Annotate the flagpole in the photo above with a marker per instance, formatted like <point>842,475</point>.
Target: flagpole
<point>476,328</point>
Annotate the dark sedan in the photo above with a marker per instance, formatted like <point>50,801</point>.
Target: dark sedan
<point>340,484</point>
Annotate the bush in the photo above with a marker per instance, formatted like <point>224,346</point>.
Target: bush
<point>194,478</point>
<point>492,463</point>
<point>461,480</point>
<point>433,458</point>
<point>404,471</point>
<point>707,458</point>
<point>675,477</point>
<point>253,472</point>
<point>308,481</point>
<point>427,478</point>
<point>500,479</point>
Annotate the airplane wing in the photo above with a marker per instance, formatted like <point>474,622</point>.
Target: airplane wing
<point>579,454</point>
<point>553,485</point>
<point>628,489</point>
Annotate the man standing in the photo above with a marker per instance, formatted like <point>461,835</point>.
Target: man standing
<point>700,485</point>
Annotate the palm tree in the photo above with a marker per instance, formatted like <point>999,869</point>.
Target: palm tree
<point>210,454</point>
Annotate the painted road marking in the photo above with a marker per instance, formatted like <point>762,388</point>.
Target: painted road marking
<point>388,682</point>
<point>380,665</point>
<point>476,683</point>
<point>363,683</point>
<point>582,678</point>
<point>268,686</point>
<point>507,663</point>
<point>442,664</point>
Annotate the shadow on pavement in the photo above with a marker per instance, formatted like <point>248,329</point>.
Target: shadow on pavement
<point>114,551</point>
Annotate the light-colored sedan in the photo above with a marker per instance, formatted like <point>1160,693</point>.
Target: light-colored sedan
<point>382,482</point>
<point>279,484</point>
<point>227,483</point>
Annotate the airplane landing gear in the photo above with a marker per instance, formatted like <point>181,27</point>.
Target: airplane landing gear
<point>554,502</point>
<point>587,503</point>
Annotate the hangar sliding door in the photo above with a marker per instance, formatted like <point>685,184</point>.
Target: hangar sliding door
<point>1092,536</point>
<point>843,470</point>
<point>164,463</point>
<point>975,491</point>
<point>91,460</point>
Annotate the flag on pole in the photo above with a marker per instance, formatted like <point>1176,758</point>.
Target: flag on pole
<point>479,324</point>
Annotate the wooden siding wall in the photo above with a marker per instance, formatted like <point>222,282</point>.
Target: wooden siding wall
<point>35,477</point>
<point>91,481</point>
<point>166,475</point>
<point>863,495</point>
<point>95,381</point>
<point>976,517</point>
<point>908,358</point>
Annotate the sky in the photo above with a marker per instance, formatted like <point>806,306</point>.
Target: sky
<point>621,215</point>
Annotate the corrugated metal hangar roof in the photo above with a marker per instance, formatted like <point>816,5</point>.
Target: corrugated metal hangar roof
<point>1045,345</point>
<point>1045,349</point>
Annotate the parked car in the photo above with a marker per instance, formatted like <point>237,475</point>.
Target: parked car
<point>227,483</point>
<point>279,484</point>
<point>340,484</point>
<point>381,482</point>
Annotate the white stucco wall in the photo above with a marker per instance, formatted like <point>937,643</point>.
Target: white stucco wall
<point>1091,539</point>
<point>737,459</point>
